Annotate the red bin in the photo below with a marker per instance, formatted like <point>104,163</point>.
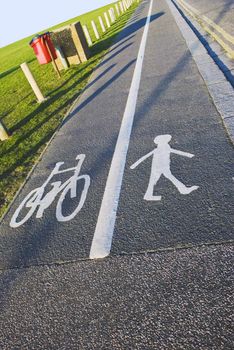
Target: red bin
<point>40,45</point>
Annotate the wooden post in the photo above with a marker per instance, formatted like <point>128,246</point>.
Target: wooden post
<point>121,7</point>
<point>107,20</point>
<point>111,16</point>
<point>113,12</point>
<point>80,41</point>
<point>95,30</point>
<point>102,24</point>
<point>3,132</point>
<point>32,82</point>
<point>61,56</point>
<point>117,9</point>
<point>53,60</point>
<point>124,6</point>
<point>85,29</point>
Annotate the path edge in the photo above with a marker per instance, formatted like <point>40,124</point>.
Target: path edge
<point>220,89</point>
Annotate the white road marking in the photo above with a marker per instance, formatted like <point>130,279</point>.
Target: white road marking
<point>102,239</point>
<point>161,166</point>
<point>38,200</point>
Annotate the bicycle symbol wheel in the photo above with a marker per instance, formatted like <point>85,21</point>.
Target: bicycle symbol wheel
<point>28,202</point>
<point>68,191</point>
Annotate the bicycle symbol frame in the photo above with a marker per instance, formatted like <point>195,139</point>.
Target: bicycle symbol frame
<point>38,200</point>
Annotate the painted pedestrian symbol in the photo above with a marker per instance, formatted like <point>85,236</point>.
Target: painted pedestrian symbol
<point>161,166</point>
<point>38,200</point>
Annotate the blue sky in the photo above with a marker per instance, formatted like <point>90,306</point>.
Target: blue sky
<point>21,18</point>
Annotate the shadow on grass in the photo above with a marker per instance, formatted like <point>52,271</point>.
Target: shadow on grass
<point>95,50</point>
<point>12,70</point>
<point>36,147</point>
<point>63,92</point>
<point>46,118</point>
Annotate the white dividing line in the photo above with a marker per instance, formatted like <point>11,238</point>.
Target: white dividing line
<point>102,239</point>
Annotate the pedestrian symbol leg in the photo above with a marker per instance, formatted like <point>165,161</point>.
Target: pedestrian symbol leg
<point>179,185</point>
<point>149,195</point>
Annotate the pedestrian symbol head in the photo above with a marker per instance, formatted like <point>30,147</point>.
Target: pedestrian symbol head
<point>162,139</point>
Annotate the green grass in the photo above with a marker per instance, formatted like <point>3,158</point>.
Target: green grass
<point>30,124</point>
<point>13,55</point>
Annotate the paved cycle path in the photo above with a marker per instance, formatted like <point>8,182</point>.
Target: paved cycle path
<point>172,100</point>
<point>171,299</point>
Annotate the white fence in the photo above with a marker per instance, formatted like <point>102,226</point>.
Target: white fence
<point>106,20</point>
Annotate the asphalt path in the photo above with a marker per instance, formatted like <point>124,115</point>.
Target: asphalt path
<point>167,281</point>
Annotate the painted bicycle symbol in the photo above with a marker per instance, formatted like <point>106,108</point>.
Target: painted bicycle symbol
<point>38,200</point>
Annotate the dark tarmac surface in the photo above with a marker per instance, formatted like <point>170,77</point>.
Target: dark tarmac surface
<point>173,300</point>
<point>167,283</point>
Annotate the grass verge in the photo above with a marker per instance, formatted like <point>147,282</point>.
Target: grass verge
<point>32,125</point>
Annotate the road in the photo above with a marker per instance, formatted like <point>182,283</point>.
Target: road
<point>219,11</point>
<point>164,226</point>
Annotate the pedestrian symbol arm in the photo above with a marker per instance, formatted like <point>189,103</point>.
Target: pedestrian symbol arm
<point>133,166</point>
<point>181,153</point>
